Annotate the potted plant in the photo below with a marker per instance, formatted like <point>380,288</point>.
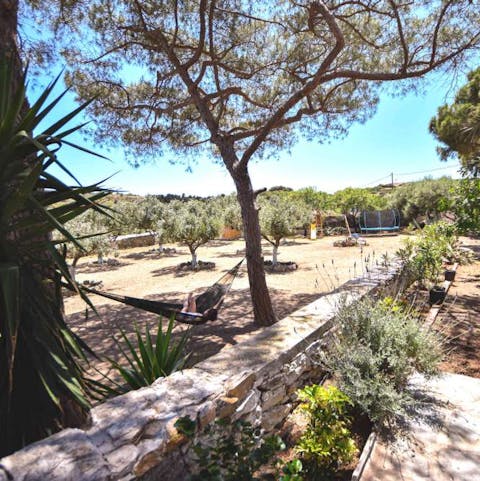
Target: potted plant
<point>436,295</point>
<point>449,274</point>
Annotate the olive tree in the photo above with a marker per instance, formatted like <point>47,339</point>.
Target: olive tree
<point>246,79</point>
<point>192,223</point>
<point>280,215</point>
<point>91,231</point>
<point>427,197</point>
<point>351,201</point>
<point>317,200</point>
<point>229,208</point>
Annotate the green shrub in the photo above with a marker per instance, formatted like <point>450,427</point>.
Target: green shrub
<point>234,454</point>
<point>376,348</point>
<point>423,256</point>
<point>292,471</point>
<point>327,442</point>
<point>148,362</point>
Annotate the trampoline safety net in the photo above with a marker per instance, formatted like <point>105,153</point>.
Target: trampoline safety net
<point>379,220</point>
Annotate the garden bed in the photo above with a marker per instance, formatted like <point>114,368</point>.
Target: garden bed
<point>280,266</point>
<point>201,266</point>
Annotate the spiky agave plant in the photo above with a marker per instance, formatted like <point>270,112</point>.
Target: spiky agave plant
<point>42,383</point>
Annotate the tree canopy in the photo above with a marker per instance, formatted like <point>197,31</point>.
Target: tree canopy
<point>192,223</point>
<point>428,197</point>
<point>457,126</point>
<point>91,232</point>
<point>245,79</point>
<point>352,200</point>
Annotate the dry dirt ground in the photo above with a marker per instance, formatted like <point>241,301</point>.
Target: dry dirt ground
<point>459,319</point>
<point>142,272</point>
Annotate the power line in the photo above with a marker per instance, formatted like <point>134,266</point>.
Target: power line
<point>378,180</point>
<point>429,170</point>
<point>389,176</point>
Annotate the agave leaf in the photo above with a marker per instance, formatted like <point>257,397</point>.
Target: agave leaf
<point>83,149</point>
<point>13,110</point>
<point>64,120</point>
<point>10,300</point>
<point>135,362</point>
<point>144,364</point>
<point>32,118</point>
<point>151,362</point>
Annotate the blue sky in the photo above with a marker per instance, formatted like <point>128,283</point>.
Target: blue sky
<point>395,140</point>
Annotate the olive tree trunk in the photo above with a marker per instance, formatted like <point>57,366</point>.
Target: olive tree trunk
<point>275,252</point>
<point>193,252</point>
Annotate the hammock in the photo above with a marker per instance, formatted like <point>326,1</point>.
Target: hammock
<point>208,303</point>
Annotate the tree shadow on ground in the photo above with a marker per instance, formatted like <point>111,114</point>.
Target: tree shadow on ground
<point>94,268</point>
<point>232,255</point>
<point>475,248</point>
<point>292,242</point>
<point>218,243</point>
<point>153,255</point>
<point>180,270</point>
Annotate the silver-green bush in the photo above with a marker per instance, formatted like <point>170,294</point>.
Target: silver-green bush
<point>377,346</point>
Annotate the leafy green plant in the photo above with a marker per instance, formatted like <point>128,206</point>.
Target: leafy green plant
<point>327,443</point>
<point>43,386</point>
<point>466,205</point>
<point>235,452</point>
<point>292,471</point>
<point>376,348</point>
<point>148,361</point>
<point>423,256</point>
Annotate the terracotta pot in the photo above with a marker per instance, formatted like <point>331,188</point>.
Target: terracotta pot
<point>450,275</point>
<point>437,295</point>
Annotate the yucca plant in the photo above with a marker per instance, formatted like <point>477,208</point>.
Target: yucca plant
<point>148,361</point>
<point>42,382</point>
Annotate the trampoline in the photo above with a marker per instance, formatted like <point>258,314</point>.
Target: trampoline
<point>377,221</point>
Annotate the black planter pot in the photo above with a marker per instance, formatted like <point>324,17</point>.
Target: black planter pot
<point>450,275</point>
<point>437,295</point>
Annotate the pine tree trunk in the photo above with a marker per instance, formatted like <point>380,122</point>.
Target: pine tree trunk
<point>262,304</point>
<point>8,34</point>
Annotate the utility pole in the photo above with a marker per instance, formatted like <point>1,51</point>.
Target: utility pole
<point>392,179</point>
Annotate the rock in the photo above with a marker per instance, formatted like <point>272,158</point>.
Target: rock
<point>226,406</point>
<point>240,387</point>
<point>249,403</point>
<point>206,414</point>
<point>275,416</point>
<point>66,456</point>
<point>273,397</point>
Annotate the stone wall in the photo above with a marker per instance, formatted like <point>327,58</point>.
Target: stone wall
<point>133,436</point>
<point>134,240</point>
